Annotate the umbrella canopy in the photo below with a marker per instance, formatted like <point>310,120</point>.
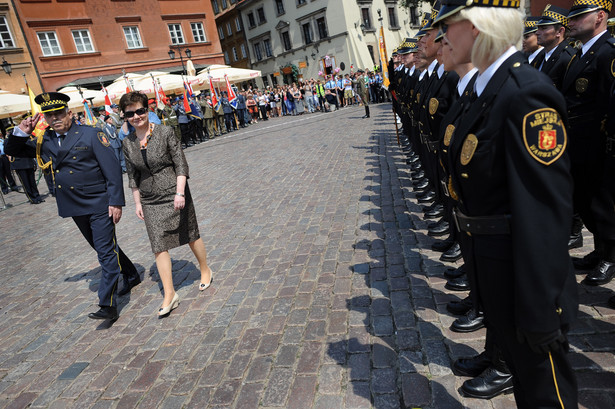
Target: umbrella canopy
<point>170,83</point>
<point>217,73</point>
<point>13,104</point>
<point>76,101</point>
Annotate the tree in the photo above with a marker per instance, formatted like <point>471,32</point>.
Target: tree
<point>410,3</point>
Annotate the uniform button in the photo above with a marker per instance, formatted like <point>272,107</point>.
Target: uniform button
<point>558,311</point>
<point>469,234</point>
<point>59,186</point>
<point>71,188</point>
<point>71,172</point>
<point>57,171</point>
<point>464,175</point>
<point>517,64</point>
<point>74,157</point>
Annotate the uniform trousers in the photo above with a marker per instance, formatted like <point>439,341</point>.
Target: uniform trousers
<point>28,181</point>
<point>6,178</point>
<point>99,231</point>
<point>209,126</point>
<point>541,380</point>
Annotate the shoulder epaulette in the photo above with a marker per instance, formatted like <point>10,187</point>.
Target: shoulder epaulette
<point>611,41</point>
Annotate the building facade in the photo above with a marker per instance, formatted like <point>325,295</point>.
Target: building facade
<point>300,39</point>
<point>15,51</point>
<point>231,33</point>
<point>78,41</point>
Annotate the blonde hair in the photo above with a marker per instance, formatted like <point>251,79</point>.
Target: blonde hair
<point>499,28</point>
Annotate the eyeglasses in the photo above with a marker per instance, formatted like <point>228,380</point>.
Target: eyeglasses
<point>130,114</point>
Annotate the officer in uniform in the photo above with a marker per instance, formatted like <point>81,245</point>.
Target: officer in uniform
<point>510,170</point>
<point>25,170</point>
<point>208,116</point>
<point>89,188</point>
<point>363,91</point>
<point>551,35</point>
<point>530,46</point>
<point>586,87</point>
<point>169,117</point>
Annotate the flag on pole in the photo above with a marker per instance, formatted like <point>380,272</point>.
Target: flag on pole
<point>41,125</point>
<point>232,97</point>
<point>215,100</point>
<point>383,59</point>
<point>89,117</point>
<point>188,89</point>
<point>159,92</point>
<point>108,110</point>
<point>129,87</point>
<point>186,100</point>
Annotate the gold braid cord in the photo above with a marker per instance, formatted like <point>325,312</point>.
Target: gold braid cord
<point>43,165</point>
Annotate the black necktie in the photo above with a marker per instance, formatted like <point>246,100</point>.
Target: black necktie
<point>60,140</point>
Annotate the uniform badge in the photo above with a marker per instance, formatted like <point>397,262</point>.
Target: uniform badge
<point>451,190</point>
<point>448,134</point>
<point>468,148</point>
<point>433,106</point>
<point>581,85</point>
<point>46,97</point>
<point>613,68</point>
<point>103,139</point>
<point>544,135</point>
<point>418,96</point>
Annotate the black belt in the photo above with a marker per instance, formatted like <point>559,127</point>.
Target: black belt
<point>498,224</point>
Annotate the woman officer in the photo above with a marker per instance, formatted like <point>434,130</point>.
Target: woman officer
<point>511,173</point>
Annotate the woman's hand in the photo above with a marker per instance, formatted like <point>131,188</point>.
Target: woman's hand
<point>139,212</point>
<point>179,202</point>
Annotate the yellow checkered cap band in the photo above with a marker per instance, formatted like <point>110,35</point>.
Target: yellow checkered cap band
<point>601,4</point>
<point>553,15</point>
<point>53,105</point>
<point>530,24</point>
<point>498,3</point>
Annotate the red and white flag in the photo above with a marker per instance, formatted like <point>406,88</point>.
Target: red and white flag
<point>108,110</point>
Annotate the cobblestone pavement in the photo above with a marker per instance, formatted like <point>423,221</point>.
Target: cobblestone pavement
<point>326,294</point>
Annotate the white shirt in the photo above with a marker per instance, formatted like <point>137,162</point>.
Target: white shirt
<point>440,71</point>
<point>591,42</point>
<point>412,70</point>
<point>18,132</point>
<point>463,82</point>
<point>484,77</point>
<point>534,54</point>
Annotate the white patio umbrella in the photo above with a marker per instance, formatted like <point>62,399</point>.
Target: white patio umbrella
<point>13,104</point>
<point>76,101</point>
<point>234,74</point>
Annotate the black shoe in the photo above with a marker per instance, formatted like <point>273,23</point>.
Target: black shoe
<point>575,241</point>
<point>418,175</point>
<point>435,224</point>
<point>427,198</point>
<point>472,321</point>
<point>429,208</point>
<point>129,283</point>
<point>460,283</point>
<point>588,262</point>
<point>451,255</point>
<point>441,230</point>
<point>488,384</point>
<point>456,273</point>
<point>437,211</point>
<point>472,367</point>
<point>15,188</point>
<point>421,184</point>
<point>460,308</point>
<point>611,302</point>
<point>105,313</point>
<point>443,245</point>
<point>602,274</point>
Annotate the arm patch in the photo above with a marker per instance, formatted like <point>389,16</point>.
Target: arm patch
<point>544,135</point>
<point>103,139</point>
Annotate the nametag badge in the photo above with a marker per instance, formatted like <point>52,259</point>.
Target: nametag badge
<point>468,149</point>
<point>81,148</point>
<point>448,134</point>
<point>433,106</point>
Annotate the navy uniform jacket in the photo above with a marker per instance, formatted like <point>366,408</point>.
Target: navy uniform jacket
<point>555,66</point>
<point>241,102</point>
<point>509,157</point>
<point>88,176</point>
<point>586,87</point>
<point>226,106</point>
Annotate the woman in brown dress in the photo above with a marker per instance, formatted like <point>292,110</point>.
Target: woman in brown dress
<point>158,172</point>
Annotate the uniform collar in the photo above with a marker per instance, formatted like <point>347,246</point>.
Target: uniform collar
<point>591,42</point>
<point>484,77</point>
<point>463,82</point>
<point>533,55</point>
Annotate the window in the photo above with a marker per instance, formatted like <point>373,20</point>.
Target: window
<point>49,43</point>
<point>265,81</point>
<point>83,43</point>
<point>267,45</point>
<point>244,53</point>
<point>177,36</point>
<point>301,2</point>
<point>216,7</point>
<point>229,29</point>
<point>321,23</point>
<point>257,51</point>
<point>221,33</point>
<point>286,40</point>
<point>233,1</point>
<point>414,17</point>
<point>392,17</point>
<point>6,39</point>
<point>198,32</point>
<point>133,38</point>
<point>235,54</point>
<point>237,24</point>
<point>224,4</point>
<point>367,20</point>
<point>279,7</point>
<point>251,21</point>
<point>307,33</point>
<point>261,15</point>
<point>226,59</point>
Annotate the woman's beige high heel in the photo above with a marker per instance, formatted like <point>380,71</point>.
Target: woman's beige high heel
<point>203,287</point>
<point>166,310</point>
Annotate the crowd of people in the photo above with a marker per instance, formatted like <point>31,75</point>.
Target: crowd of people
<point>512,152</point>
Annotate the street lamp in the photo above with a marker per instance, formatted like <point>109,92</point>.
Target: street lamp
<point>179,50</point>
<point>6,66</point>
